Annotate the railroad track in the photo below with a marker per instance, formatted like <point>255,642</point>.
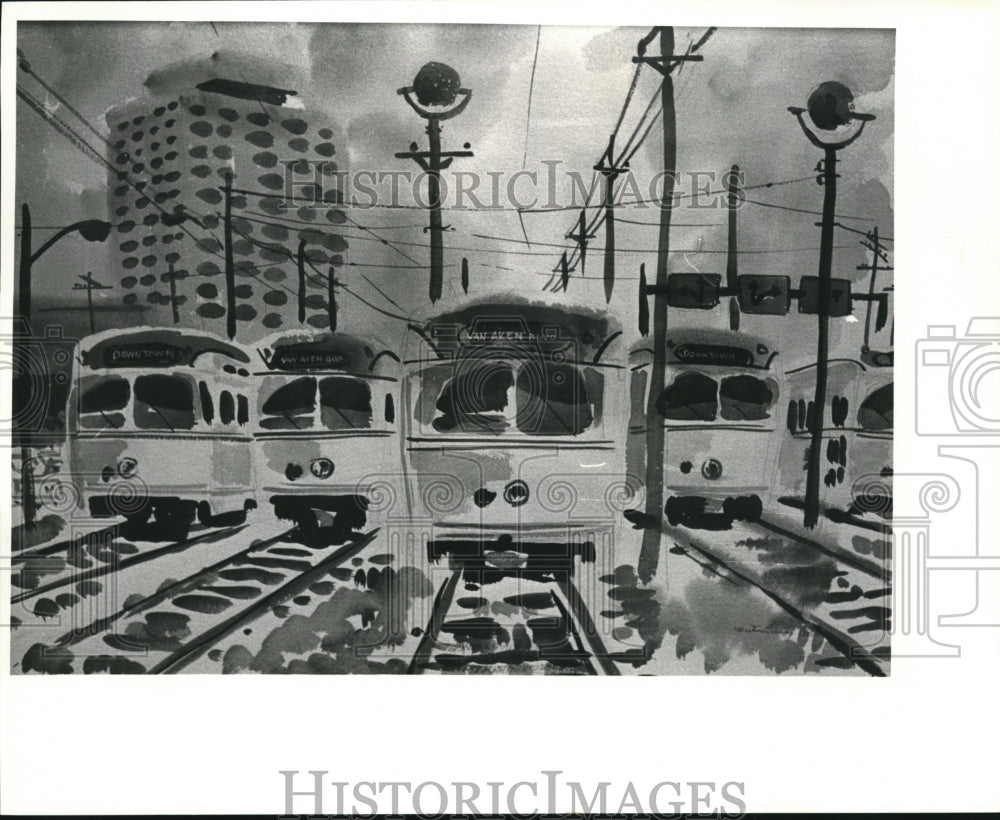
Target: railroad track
<point>511,623</point>
<point>71,573</point>
<point>850,621</point>
<point>186,618</point>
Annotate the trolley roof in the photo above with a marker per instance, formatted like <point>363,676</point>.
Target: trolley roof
<point>513,321</point>
<point>149,347</point>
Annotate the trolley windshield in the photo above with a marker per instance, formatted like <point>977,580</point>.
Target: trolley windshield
<point>875,412</point>
<point>332,402</point>
<point>532,397</point>
<point>695,396</point>
<point>163,402</point>
<point>103,400</point>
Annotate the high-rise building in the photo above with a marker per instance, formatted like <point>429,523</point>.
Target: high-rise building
<point>199,122</point>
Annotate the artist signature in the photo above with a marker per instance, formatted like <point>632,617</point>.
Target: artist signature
<point>768,630</point>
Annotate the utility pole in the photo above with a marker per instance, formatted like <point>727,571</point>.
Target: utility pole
<point>433,162</point>
<point>300,258</point>
<point>24,277</point>
<point>436,87</point>
<point>609,171</point>
<point>581,237</point>
<point>828,179</point>
<point>90,285</point>
<point>878,253</point>
<point>830,106</point>
<point>643,302</point>
<point>93,230</point>
<point>732,264</point>
<point>465,275</point>
<point>171,277</point>
<point>331,300</point>
<point>230,271</point>
<point>649,556</point>
<point>563,269</point>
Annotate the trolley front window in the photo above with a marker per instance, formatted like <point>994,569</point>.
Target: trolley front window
<point>291,406</point>
<point>102,401</point>
<point>163,402</point>
<point>552,400</point>
<point>345,403</point>
<point>476,399</point>
<point>690,397</point>
<point>746,398</point>
<point>875,412</point>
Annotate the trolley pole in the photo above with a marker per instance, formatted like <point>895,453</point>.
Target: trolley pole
<point>649,555</point>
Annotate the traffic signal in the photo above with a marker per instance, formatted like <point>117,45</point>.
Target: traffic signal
<point>768,295</point>
<point>840,296</point>
<point>693,290</point>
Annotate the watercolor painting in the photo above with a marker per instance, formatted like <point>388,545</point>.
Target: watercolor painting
<point>444,349</point>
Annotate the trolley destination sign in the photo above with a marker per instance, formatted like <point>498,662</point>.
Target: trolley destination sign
<point>307,359</point>
<point>144,355</point>
<point>691,353</point>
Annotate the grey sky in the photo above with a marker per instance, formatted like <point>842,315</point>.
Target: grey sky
<point>732,107</point>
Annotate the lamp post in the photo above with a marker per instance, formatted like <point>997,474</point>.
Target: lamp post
<point>93,230</point>
<point>436,95</point>
<point>830,110</point>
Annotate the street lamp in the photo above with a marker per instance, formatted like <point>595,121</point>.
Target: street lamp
<point>93,230</point>
<point>436,95</point>
<point>830,110</point>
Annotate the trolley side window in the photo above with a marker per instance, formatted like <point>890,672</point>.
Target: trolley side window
<point>875,412</point>
<point>207,406</point>
<point>102,401</point>
<point>690,397</point>
<point>476,399</point>
<point>345,403</point>
<point>746,398</point>
<point>637,399</point>
<point>552,400</point>
<point>291,406</point>
<point>227,407</point>
<point>242,409</point>
<point>163,402</point>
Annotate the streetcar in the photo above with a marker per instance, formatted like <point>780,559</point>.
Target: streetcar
<point>718,408</point>
<point>515,414</point>
<point>857,426</point>
<point>326,438</point>
<point>158,427</point>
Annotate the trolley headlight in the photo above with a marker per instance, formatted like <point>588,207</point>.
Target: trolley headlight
<point>712,469</point>
<point>127,467</point>
<point>516,493</point>
<point>321,467</point>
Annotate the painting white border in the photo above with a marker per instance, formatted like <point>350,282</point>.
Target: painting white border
<point>921,740</point>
